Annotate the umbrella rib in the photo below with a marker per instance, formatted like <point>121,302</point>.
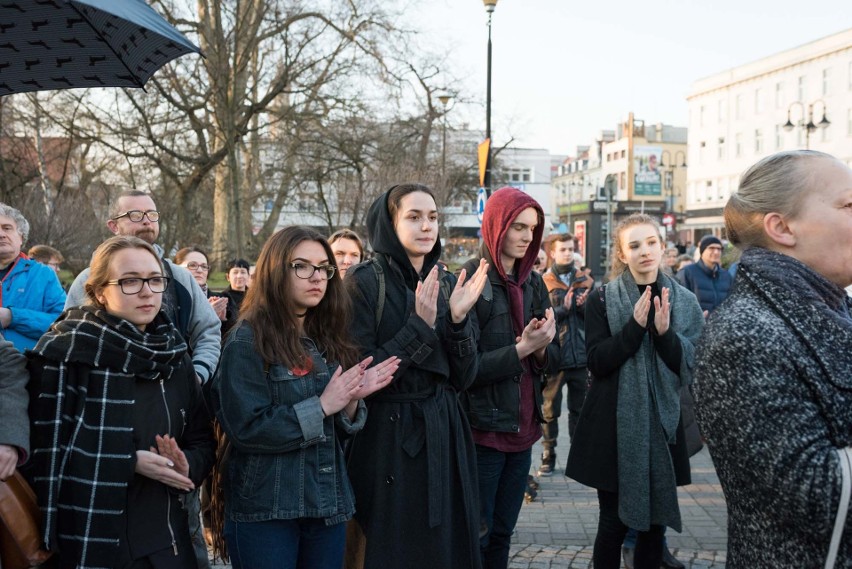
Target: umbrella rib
<point>108,44</point>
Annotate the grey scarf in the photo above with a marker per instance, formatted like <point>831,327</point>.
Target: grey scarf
<point>648,409</point>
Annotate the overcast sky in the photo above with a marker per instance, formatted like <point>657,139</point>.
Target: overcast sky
<point>563,70</point>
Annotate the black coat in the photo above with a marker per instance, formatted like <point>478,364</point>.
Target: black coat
<point>412,466</point>
<point>593,458</point>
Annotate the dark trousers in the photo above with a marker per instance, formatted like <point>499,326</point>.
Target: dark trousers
<point>576,379</point>
<point>192,506</point>
<point>611,531</point>
<point>502,482</point>
<point>285,544</point>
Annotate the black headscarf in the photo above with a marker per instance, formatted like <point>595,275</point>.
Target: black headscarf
<point>384,240</point>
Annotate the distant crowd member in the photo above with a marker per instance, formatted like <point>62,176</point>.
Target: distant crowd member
<point>30,294</point>
<point>348,249</point>
<point>195,261</point>
<point>641,329</point>
<point>237,275</point>
<point>47,255</point>
<point>120,429</point>
<point>773,384</point>
<point>669,260</point>
<point>540,264</point>
<point>568,286</point>
<point>15,426</point>
<point>135,214</point>
<point>707,280</point>
<point>517,347</point>
<point>412,465</point>
<point>682,261</point>
<point>289,390</point>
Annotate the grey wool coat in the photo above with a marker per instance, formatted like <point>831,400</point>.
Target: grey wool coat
<point>774,402</point>
<point>15,422</point>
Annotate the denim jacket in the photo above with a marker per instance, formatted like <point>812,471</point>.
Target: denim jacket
<point>286,458</point>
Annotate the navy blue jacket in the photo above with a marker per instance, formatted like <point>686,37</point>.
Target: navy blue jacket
<point>710,286</point>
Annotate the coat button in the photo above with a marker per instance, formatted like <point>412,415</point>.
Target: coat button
<point>517,379</point>
<point>389,480</point>
<point>515,428</point>
<point>394,417</point>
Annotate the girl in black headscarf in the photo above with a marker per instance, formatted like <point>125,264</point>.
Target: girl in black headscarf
<point>411,466</point>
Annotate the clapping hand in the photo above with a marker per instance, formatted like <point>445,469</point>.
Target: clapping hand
<point>465,294</point>
<point>662,312</point>
<point>163,469</point>
<point>376,377</point>
<point>642,307</point>
<point>536,336</point>
<point>426,298</point>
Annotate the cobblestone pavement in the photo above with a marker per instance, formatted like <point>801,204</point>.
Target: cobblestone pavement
<point>557,530</point>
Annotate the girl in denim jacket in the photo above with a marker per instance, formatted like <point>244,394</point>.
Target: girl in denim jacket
<point>285,402</point>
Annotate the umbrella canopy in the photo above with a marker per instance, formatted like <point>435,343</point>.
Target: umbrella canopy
<point>65,44</point>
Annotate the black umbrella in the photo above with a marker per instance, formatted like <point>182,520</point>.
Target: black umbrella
<point>65,44</point>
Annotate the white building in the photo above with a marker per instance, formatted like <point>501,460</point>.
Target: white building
<point>738,116</point>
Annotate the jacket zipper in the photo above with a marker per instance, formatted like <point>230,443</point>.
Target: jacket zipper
<point>168,493</point>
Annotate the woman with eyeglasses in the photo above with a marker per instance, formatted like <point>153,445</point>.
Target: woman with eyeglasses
<point>286,404</point>
<point>119,427</point>
<point>195,261</point>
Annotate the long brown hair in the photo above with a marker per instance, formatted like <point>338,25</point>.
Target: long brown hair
<point>268,307</point>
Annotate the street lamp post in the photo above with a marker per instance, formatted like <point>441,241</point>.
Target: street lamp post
<point>810,126</point>
<point>669,195</point>
<point>445,100</point>
<point>490,5</point>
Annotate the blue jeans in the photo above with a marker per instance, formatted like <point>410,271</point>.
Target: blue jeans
<point>502,482</point>
<point>285,544</point>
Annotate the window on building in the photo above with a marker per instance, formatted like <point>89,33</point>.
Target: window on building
<point>779,95</point>
<point>738,145</point>
<point>721,155</point>
<point>622,180</point>
<point>701,115</point>
<point>826,81</point>
<point>720,111</point>
<point>779,137</point>
<point>801,90</point>
<point>738,109</point>
<point>758,101</point>
<point>758,141</point>
<point>624,154</point>
<point>701,148</point>
<point>519,175</point>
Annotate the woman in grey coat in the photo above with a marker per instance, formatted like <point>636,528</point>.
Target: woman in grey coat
<point>773,381</point>
<point>15,426</point>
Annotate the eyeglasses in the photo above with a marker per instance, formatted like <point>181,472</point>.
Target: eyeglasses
<point>134,285</point>
<point>136,215</point>
<point>193,266</point>
<point>306,271</point>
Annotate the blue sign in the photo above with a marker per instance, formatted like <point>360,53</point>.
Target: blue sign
<point>481,198</point>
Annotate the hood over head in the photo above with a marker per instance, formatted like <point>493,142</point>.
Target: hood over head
<point>501,209</point>
<point>383,239</point>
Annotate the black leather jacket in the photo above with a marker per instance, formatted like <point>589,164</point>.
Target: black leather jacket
<point>493,402</point>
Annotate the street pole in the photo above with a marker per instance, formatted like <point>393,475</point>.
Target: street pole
<point>489,7</point>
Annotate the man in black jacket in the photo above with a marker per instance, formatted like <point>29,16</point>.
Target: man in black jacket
<point>569,287</point>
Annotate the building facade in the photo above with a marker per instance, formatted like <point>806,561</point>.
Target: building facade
<point>798,98</point>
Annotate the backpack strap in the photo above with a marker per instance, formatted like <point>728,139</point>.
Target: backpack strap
<point>380,301</point>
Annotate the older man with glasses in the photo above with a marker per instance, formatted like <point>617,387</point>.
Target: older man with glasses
<point>30,294</point>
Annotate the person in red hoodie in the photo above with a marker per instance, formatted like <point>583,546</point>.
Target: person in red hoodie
<point>517,347</point>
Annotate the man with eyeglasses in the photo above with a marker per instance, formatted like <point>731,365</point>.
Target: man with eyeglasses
<point>134,213</point>
<point>30,294</point>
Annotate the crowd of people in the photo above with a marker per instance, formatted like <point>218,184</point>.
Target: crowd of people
<point>381,412</point>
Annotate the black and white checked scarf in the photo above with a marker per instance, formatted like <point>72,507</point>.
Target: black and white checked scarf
<point>82,430</point>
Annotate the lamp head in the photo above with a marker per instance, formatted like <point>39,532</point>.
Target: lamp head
<point>824,122</point>
<point>489,5</point>
<point>444,98</point>
<point>788,126</point>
